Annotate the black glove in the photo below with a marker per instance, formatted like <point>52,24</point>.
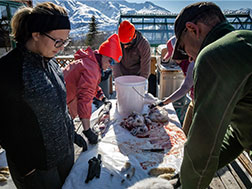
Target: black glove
<point>92,137</point>
<point>160,104</point>
<point>79,140</point>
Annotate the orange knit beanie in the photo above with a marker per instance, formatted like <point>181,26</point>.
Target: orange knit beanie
<point>126,31</point>
<point>111,48</point>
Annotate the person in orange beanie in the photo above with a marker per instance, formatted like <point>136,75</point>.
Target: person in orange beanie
<point>136,52</point>
<point>82,78</point>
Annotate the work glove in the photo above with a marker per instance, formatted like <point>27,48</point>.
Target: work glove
<point>160,104</point>
<point>91,136</point>
<point>149,98</point>
<point>80,141</point>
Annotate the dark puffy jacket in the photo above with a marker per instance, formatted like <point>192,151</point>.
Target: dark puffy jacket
<point>36,130</point>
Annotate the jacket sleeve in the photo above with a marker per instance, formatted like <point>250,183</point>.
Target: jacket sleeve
<point>185,86</point>
<point>86,91</point>
<point>217,91</point>
<point>145,58</point>
<point>99,94</point>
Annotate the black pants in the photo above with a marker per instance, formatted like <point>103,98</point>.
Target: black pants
<point>53,178</point>
<point>152,81</point>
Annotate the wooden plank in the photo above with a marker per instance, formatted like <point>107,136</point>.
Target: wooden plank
<point>243,174</point>
<point>236,176</point>
<point>246,162</point>
<point>227,178</point>
<point>153,65</point>
<point>216,183</point>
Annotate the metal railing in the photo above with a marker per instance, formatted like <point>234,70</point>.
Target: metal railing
<point>159,28</point>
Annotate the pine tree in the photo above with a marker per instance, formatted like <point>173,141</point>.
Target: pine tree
<point>92,33</point>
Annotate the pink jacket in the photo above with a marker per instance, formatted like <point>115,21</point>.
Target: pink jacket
<point>82,78</point>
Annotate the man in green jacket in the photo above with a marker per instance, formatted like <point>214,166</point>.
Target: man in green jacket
<point>222,123</point>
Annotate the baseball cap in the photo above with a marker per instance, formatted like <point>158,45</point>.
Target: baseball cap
<point>170,46</point>
<point>189,13</point>
<point>112,48</point>
<point>126,31</point>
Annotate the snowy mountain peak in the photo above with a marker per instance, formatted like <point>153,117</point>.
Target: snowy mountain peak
<point>106,12</point>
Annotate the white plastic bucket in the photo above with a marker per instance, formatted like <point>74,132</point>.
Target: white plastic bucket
<point>130,91</point>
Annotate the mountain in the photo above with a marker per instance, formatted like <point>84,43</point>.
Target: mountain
<point>106,12</point>
<point>240,11</point>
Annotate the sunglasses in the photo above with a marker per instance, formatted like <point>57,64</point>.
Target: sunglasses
<point>58,42</point>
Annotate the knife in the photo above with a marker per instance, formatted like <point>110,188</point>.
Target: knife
<point>153,150</point>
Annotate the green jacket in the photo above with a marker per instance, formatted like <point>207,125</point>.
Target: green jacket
<point>223,97</point>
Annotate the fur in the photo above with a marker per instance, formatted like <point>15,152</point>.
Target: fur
<point>152,183</point>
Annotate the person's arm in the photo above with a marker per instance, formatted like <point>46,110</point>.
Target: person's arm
<point>99,94</point>
<point>86,91</point>
<point>145,58</point>
<point>215,98</point>
<point>85,123</point>
<point>184,87</point>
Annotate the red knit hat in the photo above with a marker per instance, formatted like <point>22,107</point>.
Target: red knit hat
<point>126,31</point>
<point>111,48</point>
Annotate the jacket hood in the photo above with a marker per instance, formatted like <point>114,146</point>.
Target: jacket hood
<point>88,53</point>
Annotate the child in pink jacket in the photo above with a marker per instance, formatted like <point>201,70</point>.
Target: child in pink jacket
<point>83,76</point>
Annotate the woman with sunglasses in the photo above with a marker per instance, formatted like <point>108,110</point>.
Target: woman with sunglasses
<point>83,76</point>
<point>38,134</point>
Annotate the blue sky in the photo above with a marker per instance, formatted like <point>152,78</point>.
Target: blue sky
<point>176,6</point>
